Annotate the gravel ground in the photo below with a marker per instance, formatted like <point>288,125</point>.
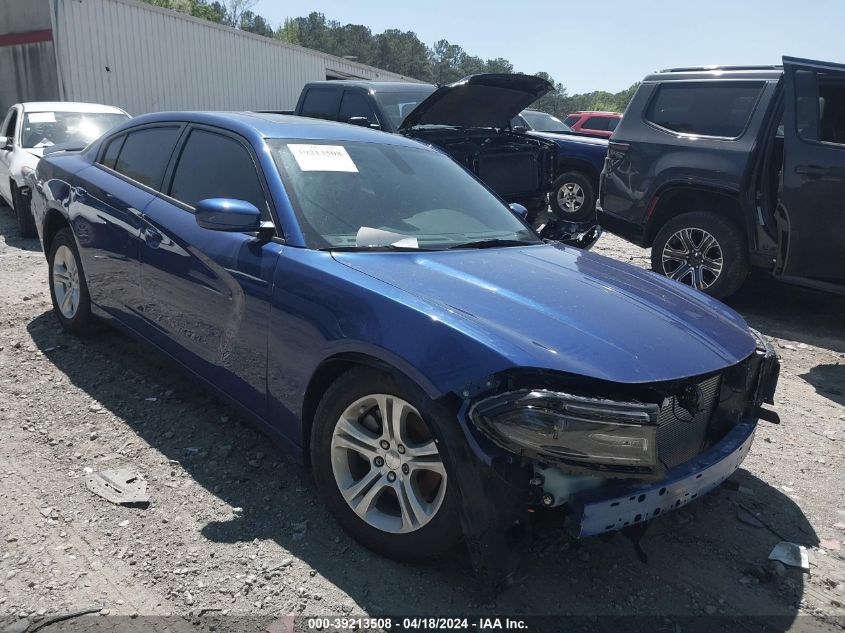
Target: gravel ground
<point>234,525</point>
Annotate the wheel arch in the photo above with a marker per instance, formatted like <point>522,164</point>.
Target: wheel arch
<point>565,165</point>
<point>54,221</point>
<point>331,368</point>
<point>676,200</point>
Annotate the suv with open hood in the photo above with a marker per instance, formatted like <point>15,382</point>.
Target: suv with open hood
<point>469,120</point>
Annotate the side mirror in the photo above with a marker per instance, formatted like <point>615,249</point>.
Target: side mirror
<point>7,142</point>
<point>362,121</point>
<point>226,214</point>
<point>518,210</point>
<point>521,129</point>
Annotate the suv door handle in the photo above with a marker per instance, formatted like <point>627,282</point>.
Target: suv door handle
<point>814,171</point>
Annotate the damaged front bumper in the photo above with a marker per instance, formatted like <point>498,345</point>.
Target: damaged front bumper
<point>595,459</point>
<point>620,504</point>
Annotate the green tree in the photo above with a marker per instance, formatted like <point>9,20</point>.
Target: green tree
<point>255,24</point>
<point>402,52</point>
<point>289,32</point>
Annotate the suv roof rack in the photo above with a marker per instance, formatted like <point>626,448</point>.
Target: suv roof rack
<point>688,69</point>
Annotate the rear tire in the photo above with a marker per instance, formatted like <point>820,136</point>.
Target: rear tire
<point>402,514</point>
<point>68,288</point>
<point>702,250</point>
<point>573,198</point>
<point>23,213</point>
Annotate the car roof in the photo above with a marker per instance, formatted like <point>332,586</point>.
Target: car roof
<point>269,125</point>
<point>377,86</point>
<point>772,72</point>
<point>68,106</point>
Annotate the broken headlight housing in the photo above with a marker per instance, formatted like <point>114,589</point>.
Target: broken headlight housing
<point>564,427</point>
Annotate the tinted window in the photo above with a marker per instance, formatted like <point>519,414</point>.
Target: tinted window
<point>145,154</point>
<point>612,123</point>
<point>356,105</point>
<point>571,120</point>
<point>820,106</point>
<point>705,108</point>
<point>112,150</point>
<point>216,166</point>
<point>596,123</point>
<point>321,103</point>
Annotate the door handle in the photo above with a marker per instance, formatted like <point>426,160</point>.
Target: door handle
<point>814,171</point>
<point>152,237</point>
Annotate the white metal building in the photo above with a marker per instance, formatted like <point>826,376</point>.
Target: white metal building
<point>144,59</point>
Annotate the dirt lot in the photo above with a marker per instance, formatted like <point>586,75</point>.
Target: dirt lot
<point>235,525</point>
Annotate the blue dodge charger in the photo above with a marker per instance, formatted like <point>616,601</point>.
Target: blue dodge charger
<point>373,307</point>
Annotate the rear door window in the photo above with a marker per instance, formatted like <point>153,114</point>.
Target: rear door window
<point>321,103</point>
<point>820,106</point>
<point>109,157</point>
<point>705,108</point>
<point>145,154</point>
<point>216,166</point>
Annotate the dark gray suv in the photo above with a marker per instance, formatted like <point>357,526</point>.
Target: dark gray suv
<point>721,169</point>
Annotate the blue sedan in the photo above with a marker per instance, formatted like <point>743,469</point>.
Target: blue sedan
<point>373,307</point>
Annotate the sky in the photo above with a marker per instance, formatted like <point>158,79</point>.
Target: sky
<point>602,45</point>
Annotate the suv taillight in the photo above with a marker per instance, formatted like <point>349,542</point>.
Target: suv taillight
<point>617,148</point>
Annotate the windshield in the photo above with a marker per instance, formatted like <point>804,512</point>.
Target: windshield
<point>398,105</point>
<point>43,129</point>
<point>353,194</point>
<point>542,122</point>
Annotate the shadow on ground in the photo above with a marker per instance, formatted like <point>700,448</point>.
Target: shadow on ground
<point>702,559</point>
<point>9,227</point>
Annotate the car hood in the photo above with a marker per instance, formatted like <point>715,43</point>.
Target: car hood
<point>489,100</point>
<point>567,310</point>
<point>570,138</point>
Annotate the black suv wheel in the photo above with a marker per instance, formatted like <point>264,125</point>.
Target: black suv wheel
<point>702,250</point>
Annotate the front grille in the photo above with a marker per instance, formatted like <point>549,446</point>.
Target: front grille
<point>680,436</point>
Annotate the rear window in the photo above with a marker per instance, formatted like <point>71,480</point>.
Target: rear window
<point>596,123</point>
<point>321,103</point>
<point>716,108</point>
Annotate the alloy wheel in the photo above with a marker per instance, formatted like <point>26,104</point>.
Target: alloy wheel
<point>570,197</point>
<point>66,282</point>
<point>694,257</point>
<point>386,464</point>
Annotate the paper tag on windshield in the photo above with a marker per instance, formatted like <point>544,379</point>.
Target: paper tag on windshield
<point>322,158</point>
<point>41,117</point>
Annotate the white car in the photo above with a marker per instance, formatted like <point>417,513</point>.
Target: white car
<point>30,128</point>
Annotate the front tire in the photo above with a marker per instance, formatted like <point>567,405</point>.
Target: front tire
<point>573,198</point>
<point>23,213</point>
<point>702,250</point>
<point>378,468</point>
<point>68,288</point>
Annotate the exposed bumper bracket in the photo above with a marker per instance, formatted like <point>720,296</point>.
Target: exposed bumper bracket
<point>625,504</point>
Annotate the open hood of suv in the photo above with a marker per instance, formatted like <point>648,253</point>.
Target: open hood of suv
<point>489,100</point>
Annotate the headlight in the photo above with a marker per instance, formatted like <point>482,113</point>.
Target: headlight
<point>571,428</point>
